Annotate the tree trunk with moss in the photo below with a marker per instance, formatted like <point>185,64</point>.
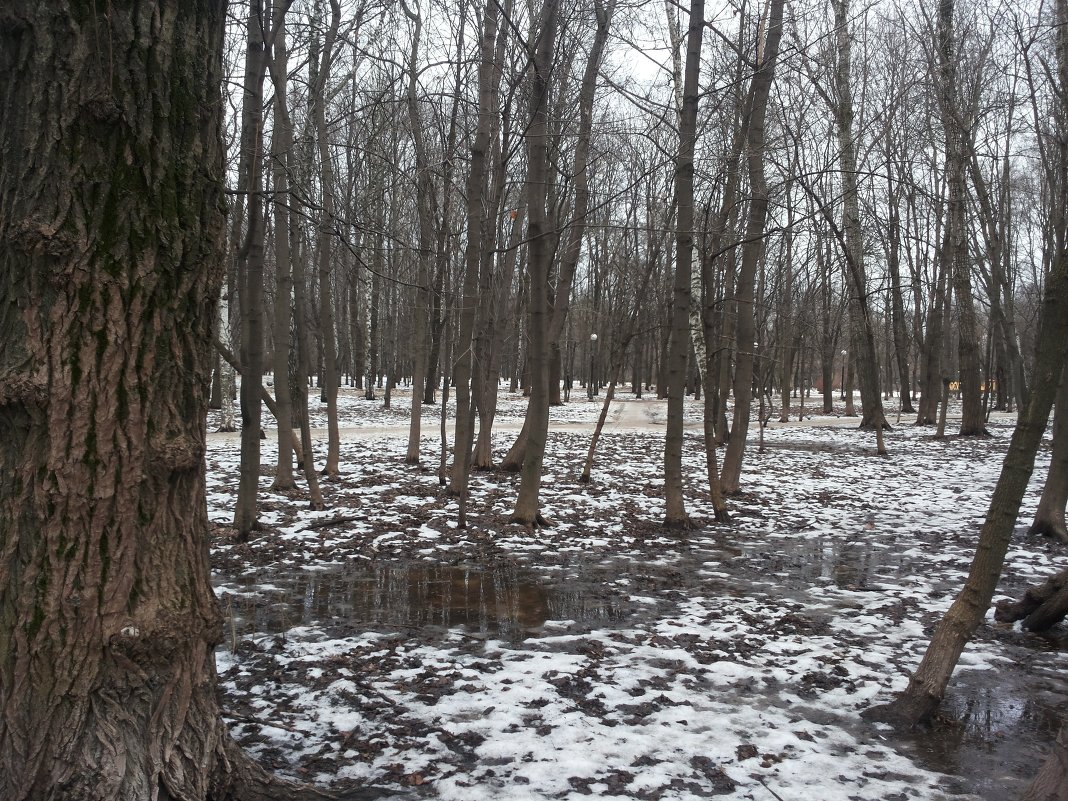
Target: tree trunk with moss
<point>112,239</point>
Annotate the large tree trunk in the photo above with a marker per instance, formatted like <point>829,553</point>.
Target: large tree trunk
<point>928,684</point>
<point>1051,783</point>
<point>112,237</point>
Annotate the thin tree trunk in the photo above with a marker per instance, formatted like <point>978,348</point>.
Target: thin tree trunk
<point>972,421</point>
<point>866,360</point>
<point>250,269</point>
<point>281,145</point>
<point>679,347</point>
<point>751,250</point>
<point>897,301</point>
<point>325,245</point>
<point>425,214</point>
<point>527,511</point>
<point>576,229</point>
<point>476,190</point>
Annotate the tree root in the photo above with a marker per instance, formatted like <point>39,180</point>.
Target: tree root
<point>1050,528</point>
<point>537,522</point>
<point>685,524</point>
<point>1041,607</point>
<point>244,779</point>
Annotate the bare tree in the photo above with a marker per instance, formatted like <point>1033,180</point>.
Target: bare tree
<point>539,255</point>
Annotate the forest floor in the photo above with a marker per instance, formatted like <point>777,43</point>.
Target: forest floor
<point>608,657</point>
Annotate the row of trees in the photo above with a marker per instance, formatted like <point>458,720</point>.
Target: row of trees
<point>881,216</point>
<point>443,166</point>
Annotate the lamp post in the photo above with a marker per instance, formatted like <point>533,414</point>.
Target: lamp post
<point>844,354</point>
<point>591,382</point>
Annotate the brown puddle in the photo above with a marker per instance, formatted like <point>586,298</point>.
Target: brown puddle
<point>995,726</point>
<point>506,603</point>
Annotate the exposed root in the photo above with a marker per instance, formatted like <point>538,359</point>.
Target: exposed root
<point>687,523</point>
<point>241,778</point>
<point>1050,528</point>
<point>1040,608</point>
<point>911,708</point>
<point>529,524</point>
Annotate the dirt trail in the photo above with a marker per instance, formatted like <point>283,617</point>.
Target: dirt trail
<point>630,414</point>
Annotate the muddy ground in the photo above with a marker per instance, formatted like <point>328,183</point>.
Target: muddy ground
<point>375,644</point>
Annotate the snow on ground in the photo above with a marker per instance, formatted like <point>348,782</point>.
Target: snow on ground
<point>608,657</point>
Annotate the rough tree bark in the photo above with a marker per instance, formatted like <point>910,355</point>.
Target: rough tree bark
<point>928,684</point>
<point>1040,607</point>
<point>111,241</point>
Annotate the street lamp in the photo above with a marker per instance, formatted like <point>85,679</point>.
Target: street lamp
<point>844,354</point>
<point>591,382</point>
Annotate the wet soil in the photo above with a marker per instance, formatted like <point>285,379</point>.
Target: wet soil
<point>384,576</point>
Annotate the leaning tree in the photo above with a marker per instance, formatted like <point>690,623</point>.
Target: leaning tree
<point>111,230</point>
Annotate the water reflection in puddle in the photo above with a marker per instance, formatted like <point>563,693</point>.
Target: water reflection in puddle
<point>999,720</point>
<point>992,729</point>
<point>502,602</point>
